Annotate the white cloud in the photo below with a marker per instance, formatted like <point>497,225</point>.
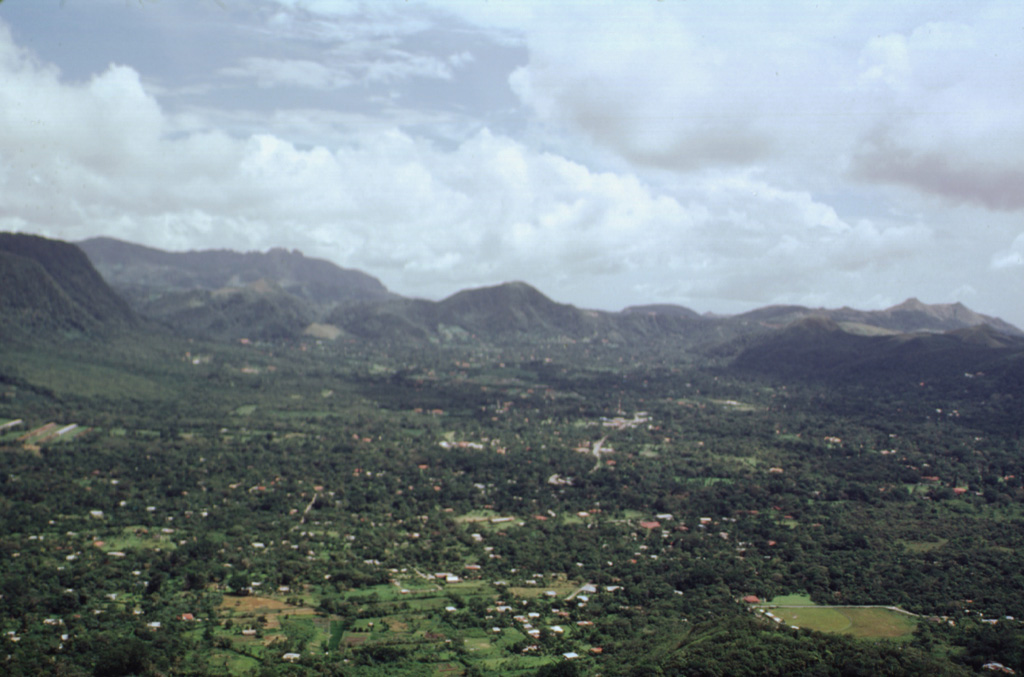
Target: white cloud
<point>342,44</point>
<point>346,69</point>
<point>814,90</point>
<point>384,199</point>
<point>950,116</point>
<point>1011,258</point>
<point>681,86</point>
<point>728,187</point>
<point>289,72</point>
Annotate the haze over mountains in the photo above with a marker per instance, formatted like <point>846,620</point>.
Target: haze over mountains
<point>52,288</point>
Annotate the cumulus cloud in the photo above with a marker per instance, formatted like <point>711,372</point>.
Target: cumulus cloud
<point>728,185</point>
<point>385,199</point>
<point>949,115</point>
<point>935,169</point>
<point>685,87</point>
<point>887,97</point>
<point>423,217</point>
<point>638,82</point>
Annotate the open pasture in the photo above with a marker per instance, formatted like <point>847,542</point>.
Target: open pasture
<point>870,622</point>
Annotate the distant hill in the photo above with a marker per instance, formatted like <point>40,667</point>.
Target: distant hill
<point>909,316</point>
<point>49,287</point>
<point>258,311</point>
<point>912,315</point>
<point>223,294</point>
<point>513,312</point>
<point>397,319</point>
<point>820,349</point>
<point>515,309</point>
<point>516,313</point>
<point>134,267</point>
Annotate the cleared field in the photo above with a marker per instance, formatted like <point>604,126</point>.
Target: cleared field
<point>254,605</point>
<point>792,600</point>
<point>880,623</point>
<point>233,663</point>
<point>822,619</point>
<point>560,588</point>
<point>736,406</point>
<point>477,644</point>
<point>925,546</point>
<point>867,622</point>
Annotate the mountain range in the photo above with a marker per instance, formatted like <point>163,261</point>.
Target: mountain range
<point>170,285</point>
<point>53,288</point>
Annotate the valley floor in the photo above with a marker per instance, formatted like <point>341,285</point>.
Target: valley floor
<point>307,510</point>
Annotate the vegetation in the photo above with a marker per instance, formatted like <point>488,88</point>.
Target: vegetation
<point>376,510</point>
<point>536,506</point>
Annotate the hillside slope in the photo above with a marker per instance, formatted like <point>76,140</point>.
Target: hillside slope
<point>819,349</point>
<point>226,295</point>
<point>142,269</point>
<point>49,286</point>
<point>910,316</point>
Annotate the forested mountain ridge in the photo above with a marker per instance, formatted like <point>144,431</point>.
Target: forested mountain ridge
<point>49,287</point>
<point>147,270</point>
<point>907,317</point>
<point>817,348</point>
<point>276,295</point>
<point>516,313</point>
<point>225,295</point>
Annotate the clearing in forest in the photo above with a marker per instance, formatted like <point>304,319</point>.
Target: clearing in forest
<point>248,609</point>
<point>873,622</point>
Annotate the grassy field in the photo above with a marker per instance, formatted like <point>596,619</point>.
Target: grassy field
<point>822,619</point>
<point>866,622</point>
<point>925,546</point>
<point>792,600</point>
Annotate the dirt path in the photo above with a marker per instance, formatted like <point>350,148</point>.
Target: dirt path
<point>577,591</point>
<point>309,507</point>
<point>596,451</point>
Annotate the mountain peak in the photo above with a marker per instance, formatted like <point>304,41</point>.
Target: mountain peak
<point>913,304</point>
<point>506,292</point>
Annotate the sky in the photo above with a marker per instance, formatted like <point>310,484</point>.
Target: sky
<point>721,155</point>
